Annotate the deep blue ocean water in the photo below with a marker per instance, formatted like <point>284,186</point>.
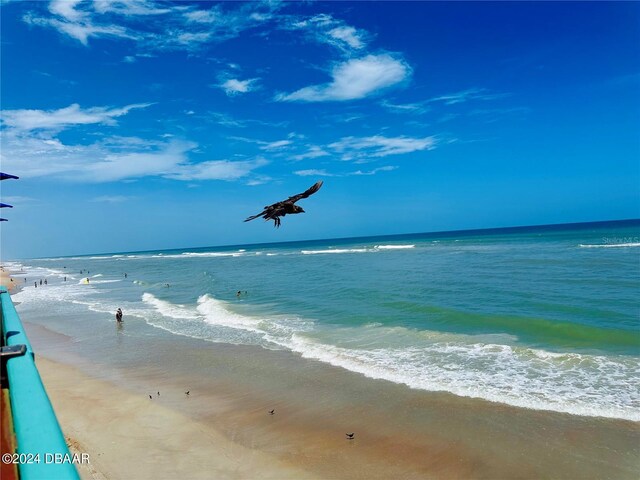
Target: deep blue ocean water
<point>541,317</point>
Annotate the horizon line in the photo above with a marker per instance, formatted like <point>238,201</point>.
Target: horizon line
<point>509,229</point>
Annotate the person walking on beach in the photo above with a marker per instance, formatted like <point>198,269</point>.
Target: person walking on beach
<point>119,315</point>
<point>40,281</point>
<point>35,284</point>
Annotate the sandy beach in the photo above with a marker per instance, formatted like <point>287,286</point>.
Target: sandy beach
<point>223,428</point>
<point>131,436</point>
<point>6,280</point>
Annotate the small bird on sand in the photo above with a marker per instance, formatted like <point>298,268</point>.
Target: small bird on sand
<point>150,397</point>
<point>158,393</point>
<point>187,392</point>
<point>350,435</point>
<point>288,206</point>
<point>271,412</point>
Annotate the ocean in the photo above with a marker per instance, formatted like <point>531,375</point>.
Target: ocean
<point>544,318</point>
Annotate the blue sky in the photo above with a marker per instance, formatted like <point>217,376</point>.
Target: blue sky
<point>141,125</point>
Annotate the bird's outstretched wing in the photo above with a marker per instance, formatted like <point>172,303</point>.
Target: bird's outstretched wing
<point>278,208</point>
<point>310,191</point>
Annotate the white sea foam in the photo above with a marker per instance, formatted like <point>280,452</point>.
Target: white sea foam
<point>335,250</point>
<point>374,249</point>
<point>610,245</point>
<point>169,309</point>
<point>523,377</point>
<point>200,255</point>
<point>464,365</point>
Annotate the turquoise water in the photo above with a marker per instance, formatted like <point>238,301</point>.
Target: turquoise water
<point>542,318</point>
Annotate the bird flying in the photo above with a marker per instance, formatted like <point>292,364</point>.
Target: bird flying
<point>288,206</point>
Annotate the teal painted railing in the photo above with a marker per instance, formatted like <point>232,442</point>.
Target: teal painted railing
<point>40,442</point>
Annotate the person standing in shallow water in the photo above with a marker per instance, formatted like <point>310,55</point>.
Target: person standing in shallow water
<point>119,315</point>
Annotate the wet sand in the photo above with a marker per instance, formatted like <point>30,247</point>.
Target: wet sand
<point>223,428</point>
<point>6,280</point>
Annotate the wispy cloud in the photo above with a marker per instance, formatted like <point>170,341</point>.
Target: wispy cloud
<point>416,108</point>
<point>324,28</point>
<point>227,120</point>
<point>268,146</point>
<point>115,160</point>
<point>387,168</point>
<point>129,7</point>
<point>64,117</point>
<point>80,30</point>
<point>216,170</point>
<point>348,35</point>
<point>31,147</point>
<point>277,145</point>
<point>314,151</point>
<point>165,26</point>
<point>233,86</point>
<point>354,148</point>
<point>312,172</point>
<point>112,199</point>
<point>467,95</point>
<point>18,200</point>
<point>323,172</point>
<point>67,10</point>
<point>354,79</point>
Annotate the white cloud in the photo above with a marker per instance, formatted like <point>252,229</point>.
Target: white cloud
<point>353,148</point>
<point>313,173</point>
<point>17,199</point>
<point>81,30</point>
<point>354,79</point>
<point>277,145</point>
<point>466,95</point>
<point>323,172</point>
<point>202,16</point>
<point>188,29</point>
<point>28,144</point>
<point>114,159</point>
<point>217,170</point>
<point>324,28</point>
<point>25,120</point>
<point>417,108</point>
<point>128,7</point>
<point>313,152</point>
<point>119,165</point>
<point>112,199</point>
<point>234,86</point>
<point>347,34</point>
<point>387,168</point>
<point>67,10</point>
